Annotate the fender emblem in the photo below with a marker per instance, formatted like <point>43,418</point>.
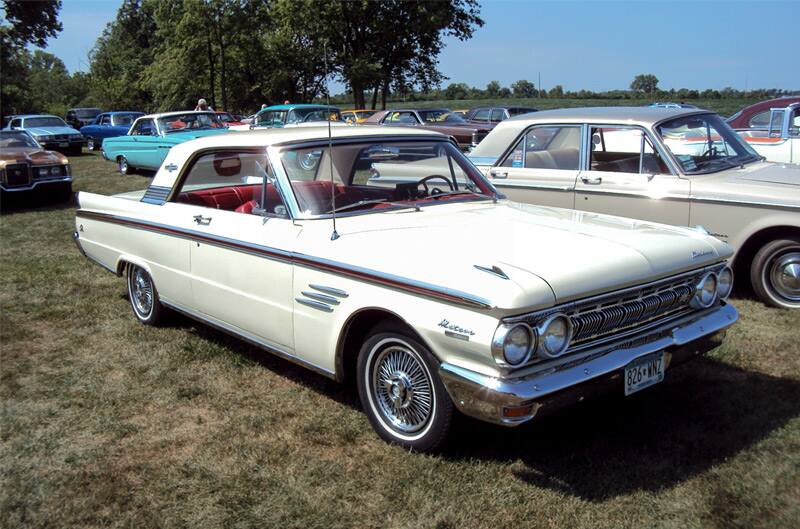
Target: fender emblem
<point>455,328</point>
<point>696,254</point>
<point>171,167</point>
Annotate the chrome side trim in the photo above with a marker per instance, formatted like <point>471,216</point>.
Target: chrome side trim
<point>314,304</point>
<point>247,337</point>
<point>494,270</point>
<point>330,300</point>
<point>330,290</point>
<point>601,191</point>
<point>752,203</point>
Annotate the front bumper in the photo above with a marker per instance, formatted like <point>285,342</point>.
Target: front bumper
<point>65,144</point>
<point>486,397</point>
<point>36,183</point>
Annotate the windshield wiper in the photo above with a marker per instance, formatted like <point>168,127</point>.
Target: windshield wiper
<point>362,203</point>
<point>459,192</point>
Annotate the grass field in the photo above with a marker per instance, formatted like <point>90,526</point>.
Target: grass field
<point>108,423</point>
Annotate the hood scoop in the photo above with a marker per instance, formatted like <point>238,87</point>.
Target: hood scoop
<point>494,270</point>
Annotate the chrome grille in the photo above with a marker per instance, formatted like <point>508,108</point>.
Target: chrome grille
<point>18,174</point>
<point>606,315</point>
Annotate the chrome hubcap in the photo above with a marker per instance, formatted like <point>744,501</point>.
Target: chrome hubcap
<point>90,144</point>
<point>785,275</point>
<point>402,388</point>
<point>141,292</point>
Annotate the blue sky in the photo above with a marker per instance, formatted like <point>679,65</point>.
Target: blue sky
<point>593,45</point>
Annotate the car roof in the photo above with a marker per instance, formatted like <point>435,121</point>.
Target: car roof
<point>281,136</point>
<point>36,116</point>
<point>176,113</point>
<point>115,112</point>
<point>629,115</point>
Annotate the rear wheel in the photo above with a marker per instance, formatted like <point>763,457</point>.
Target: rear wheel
<point>401,392</point>
<point>143,296</point>
<point>122,165</point>
<point>775,273</point>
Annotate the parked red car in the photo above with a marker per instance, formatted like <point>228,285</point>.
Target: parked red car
<point>229,119</point>
<point>757,116</point>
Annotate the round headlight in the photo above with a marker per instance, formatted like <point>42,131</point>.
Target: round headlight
<point>706,291</point>
<point>512,344</point>
<point>724,283</point>
<point>555,334</point>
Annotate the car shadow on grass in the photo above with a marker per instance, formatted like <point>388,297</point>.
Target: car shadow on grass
<point>704,413</point>
<point>33,201</point>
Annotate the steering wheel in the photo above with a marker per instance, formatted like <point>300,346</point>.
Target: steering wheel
<point>434,191</point>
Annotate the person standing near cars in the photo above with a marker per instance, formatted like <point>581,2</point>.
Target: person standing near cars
<point>203,105</point>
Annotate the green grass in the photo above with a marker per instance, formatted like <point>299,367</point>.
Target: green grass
<point>724,107</point>
<point>108,423</point>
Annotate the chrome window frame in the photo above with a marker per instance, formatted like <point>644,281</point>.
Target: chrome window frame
<point>524,135</point>
<point>657,147</point>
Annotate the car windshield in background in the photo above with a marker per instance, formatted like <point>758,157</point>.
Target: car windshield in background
<point>16,140</point>
<point>47,121</point>
<point>364,114</point>
<point>183,122</point>
<point>87,113</point>
<point>381,176</point>
<point>441,116</point>
<point>705,143</point>
<point>225,117</point>
<point>123,119</point>
<point>307,115</point>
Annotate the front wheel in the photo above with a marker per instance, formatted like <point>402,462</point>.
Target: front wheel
<point>401,392</point>
<point>92,144</point>
<point>122,165</point>
<point>775,273</point>
<point>144,297</point>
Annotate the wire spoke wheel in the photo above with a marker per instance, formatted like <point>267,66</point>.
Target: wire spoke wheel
<point>402,388</point>
<point>141,292</point>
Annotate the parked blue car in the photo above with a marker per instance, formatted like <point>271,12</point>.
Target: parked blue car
<point>108,125</point>
<point>51,132</point>
<point>295,114</point>
<point>150,137</point>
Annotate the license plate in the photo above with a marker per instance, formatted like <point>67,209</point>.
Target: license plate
<point>63,144</point>
<point>644,372</point>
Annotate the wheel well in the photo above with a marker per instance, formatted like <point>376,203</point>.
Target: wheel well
<point>748,250</point>
<point>122,266</point>
<point>355,332</point>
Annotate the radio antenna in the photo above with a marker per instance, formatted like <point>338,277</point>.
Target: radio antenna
<point>335,234</point>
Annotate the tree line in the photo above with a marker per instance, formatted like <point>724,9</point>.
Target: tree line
<point>161,55</point>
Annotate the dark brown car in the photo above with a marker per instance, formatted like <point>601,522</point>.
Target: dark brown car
<point>25,166</point>
<point>442,120</point>
<point>491,116</point>
<point>756,116</point>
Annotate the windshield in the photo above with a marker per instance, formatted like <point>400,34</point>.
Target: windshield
<point>705,143</point>
<point>441,116</point>
<point>16,140</point>
<point>225,117</point>
<point>124,119</point>
<point>189,121</point>
<point>46,121</point>
<point>87,113</point>
<point>380,176</point>
<point>306,115</point>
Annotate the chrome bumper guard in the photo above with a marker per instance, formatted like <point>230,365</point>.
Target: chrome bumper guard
<point>601,370</point>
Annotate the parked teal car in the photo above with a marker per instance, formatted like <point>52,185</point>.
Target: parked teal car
<point>151,137</point>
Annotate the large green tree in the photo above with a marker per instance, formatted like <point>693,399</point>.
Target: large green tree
<point>645,82</point>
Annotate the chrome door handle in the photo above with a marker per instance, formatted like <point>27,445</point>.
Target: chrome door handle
<point>499,174</point>
<point>205,221</point>
<point>592,181</point>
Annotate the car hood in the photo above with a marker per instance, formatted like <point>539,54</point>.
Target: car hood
<point>31,156</point>
<point>765,182</point>
<point>49,131</point>
<point>549,255</point>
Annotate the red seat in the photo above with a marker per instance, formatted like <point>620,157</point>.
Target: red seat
<point>273,200</point>
<point>228,198</point>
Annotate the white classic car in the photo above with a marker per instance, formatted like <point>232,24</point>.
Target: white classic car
<point>432,295</point>
<point>677,166</point>
<point>779,141</point>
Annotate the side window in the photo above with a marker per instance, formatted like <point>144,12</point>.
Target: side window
<point>15,123</point>
<point>498,114</point>
<point>760,120</point>
<point>622,150</point>
<point>547,148</point>
<point>406,118</point>
<point>105,120</point>
<point>145,127</point>
<point>234,181</point>
<point>482,115</point>
<point>794,124</point>
<point>776,123</point>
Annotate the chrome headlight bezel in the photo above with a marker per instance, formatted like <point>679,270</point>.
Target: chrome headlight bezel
<point>542,348</point>
<point>722,293</point>
<point>500,341</point>
<point>700,288</point>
